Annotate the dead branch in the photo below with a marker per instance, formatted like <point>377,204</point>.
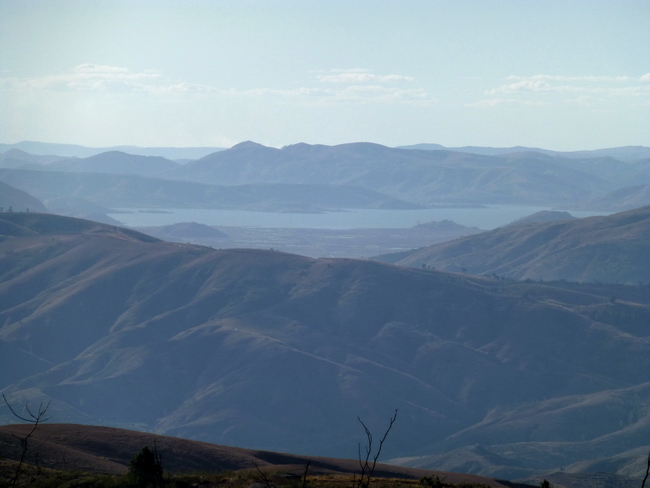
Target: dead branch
<point>647,471</point>
<point>304,476</point>
<point>266,479</point>
<point>35,419</point>
<point>368,467</point>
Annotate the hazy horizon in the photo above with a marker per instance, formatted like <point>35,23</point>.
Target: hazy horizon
<point>558,75</point>
<point>125,147</point>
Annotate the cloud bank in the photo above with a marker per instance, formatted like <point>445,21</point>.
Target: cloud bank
<point>544,90</point>
<point>350,86</point>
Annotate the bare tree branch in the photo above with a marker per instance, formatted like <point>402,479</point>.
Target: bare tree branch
<point>304,476</point>
<point>266,479</point>
<point>647,471</point>
<point>34,419</point>
<point>367,467</point>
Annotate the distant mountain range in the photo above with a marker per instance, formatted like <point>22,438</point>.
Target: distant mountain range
<point>625,153</point>
<point>73,150</point>
<point>479,176</point>
<point>611,249</point>
<point>135,191</point>
<point>267,350</point>
<point>112,162</point>
<point>423,177</point>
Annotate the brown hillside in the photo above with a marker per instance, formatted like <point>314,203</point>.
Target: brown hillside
<point>109,450</point>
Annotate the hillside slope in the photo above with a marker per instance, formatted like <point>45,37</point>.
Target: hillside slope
<point>610,249</point>
<point>109,450</point>
<point>267,350</point>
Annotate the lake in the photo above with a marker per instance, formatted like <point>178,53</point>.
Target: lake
<point>488,217</point>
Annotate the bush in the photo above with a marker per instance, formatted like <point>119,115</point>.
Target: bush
<point>145,469</point>
<point>431,482</point>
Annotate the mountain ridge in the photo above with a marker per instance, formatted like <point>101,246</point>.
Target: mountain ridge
<point>425,177</point>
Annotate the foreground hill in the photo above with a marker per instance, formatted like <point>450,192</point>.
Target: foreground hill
<point>109,450</point>
<point>610,249</point>
<point>273,351</point>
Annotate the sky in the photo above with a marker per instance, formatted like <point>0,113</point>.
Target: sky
<point>561,75</point>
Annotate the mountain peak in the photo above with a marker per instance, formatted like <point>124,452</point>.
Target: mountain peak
<point>247,144</point>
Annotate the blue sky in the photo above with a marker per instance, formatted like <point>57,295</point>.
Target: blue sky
<point>562,75</point>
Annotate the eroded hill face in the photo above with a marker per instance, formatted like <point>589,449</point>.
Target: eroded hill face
<point>267,350</point>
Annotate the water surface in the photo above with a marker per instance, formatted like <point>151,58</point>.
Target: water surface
<point>488,217</point>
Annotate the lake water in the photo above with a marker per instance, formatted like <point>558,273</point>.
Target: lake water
<point>488,217</point>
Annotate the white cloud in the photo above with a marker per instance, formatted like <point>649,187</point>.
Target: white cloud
<point>363,86</point>
<point>350,76</point>
<point>493,102</point>
<point>88,77</point>
<point>185,87</point>
<point>552,89</point>
<point>347,94</point>
<point>571,78</point>
<point>564,84</point>
<point>373,93</point>
<point>360,86</point>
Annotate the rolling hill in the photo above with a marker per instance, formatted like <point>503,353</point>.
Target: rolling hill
<point>273,351</point>
<point>610,249</point>
<point>108,450</point>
